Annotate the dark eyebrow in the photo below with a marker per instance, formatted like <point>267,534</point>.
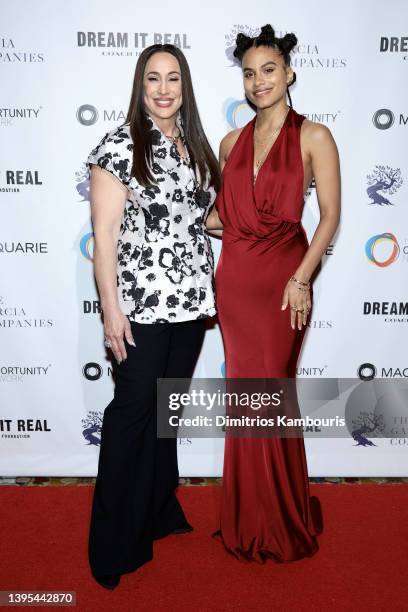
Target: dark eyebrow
<point>263,65</point>
<point>158,74</point>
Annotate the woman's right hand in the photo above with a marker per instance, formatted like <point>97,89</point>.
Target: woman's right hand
<point>116,327</point>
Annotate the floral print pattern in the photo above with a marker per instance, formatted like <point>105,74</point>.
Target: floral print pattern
<point>165,262</point>
<point>176,262</point>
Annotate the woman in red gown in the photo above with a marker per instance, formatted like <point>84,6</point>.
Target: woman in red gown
<point>263,293</point>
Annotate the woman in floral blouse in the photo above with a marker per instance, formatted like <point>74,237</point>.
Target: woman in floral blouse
<point>153,181</point>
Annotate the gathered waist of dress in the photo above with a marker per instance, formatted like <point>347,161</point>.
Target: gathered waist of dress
<point>281,228</point>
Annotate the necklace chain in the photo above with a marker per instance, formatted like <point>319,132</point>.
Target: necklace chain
<point>174,139</point>
<point>262,157</point>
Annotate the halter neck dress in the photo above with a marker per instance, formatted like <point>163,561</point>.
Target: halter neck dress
<point>266,508</point>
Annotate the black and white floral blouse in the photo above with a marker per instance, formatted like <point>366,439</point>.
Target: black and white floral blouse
<point>165,261</point>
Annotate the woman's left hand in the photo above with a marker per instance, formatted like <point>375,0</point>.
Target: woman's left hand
<point>300,303</point>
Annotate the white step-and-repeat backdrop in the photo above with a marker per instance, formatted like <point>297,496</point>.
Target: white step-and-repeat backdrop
<point>66,75</point>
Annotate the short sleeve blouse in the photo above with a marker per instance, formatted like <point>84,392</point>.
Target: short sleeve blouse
<point>165,262</point>
<point>109,154</point>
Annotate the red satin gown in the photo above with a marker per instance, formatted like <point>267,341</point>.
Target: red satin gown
<point>266,508</point>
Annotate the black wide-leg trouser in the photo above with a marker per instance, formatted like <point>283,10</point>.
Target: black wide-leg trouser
<point>134,499</point>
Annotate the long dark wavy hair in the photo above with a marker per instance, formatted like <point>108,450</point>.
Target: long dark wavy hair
<point>197,144</point>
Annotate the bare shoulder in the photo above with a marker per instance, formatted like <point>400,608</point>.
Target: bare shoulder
<point>315,134</point>
<point>228,142</point>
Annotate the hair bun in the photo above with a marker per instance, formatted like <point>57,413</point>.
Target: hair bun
<point>267,31</point>
<point>241,38</point>
<point>268,38</point>
<point>288,42</point>
<point>242,42</point>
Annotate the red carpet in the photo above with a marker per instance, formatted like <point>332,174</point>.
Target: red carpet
<point>362,562</point>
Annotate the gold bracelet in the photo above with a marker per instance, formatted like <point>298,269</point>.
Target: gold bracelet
<point>295,280</point>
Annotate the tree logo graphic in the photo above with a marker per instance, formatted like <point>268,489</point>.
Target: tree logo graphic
<point>382,182</point>
<point>92,427</point>
<point>82,187</point>
<point>365,425</point>
<point>230,41</point>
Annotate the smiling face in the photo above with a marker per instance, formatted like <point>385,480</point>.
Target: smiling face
<point>266,76</point>
<point>162,86</point>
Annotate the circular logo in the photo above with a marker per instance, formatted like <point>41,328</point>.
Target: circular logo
<point>92,371</point>
<point>367,371</point>
<point>383,118</point>
<point>85,245</point>
<point>87,114</point>
<point>238,113</point>
<point>374,243</point>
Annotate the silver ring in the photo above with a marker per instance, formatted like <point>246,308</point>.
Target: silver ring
<point>107,343</point>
